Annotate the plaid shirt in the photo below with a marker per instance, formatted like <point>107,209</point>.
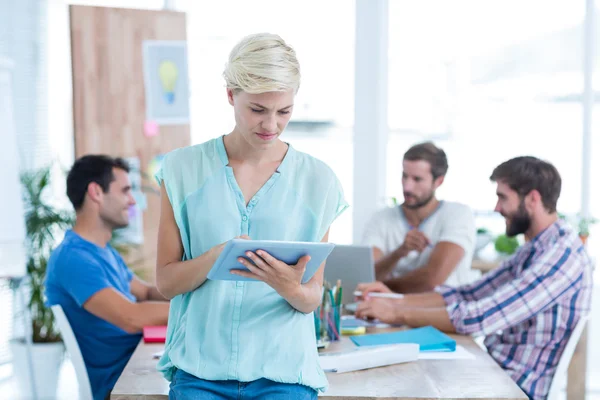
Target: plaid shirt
<point>528,306</point>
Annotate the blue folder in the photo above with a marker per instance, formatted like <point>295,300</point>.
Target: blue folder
<point>428,338</point>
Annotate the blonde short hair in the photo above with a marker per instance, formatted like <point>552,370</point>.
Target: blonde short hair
<point>261,63</point>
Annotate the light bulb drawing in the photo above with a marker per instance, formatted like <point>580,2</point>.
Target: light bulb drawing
<point>167,72</point>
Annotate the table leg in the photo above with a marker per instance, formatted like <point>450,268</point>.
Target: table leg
<point>576,376</point>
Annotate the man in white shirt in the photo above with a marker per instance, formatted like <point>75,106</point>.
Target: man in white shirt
<point>424,242</point>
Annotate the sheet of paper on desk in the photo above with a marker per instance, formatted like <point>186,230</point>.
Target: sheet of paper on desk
<point>158,354</point>
<point>364,358</point>
<point>350,321</point>
<point>459,354</point>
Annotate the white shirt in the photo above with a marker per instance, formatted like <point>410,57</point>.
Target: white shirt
<point>450,222</point>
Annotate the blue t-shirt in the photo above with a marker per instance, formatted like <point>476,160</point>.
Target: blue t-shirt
<point>78,269</point>
<point>234,330</point>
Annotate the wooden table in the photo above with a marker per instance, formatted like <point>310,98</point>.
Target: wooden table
<point>484,266</point>
<point>576,380</point>
<point>480,378</point>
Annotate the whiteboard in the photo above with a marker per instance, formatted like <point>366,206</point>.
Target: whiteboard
<point>12,221</point>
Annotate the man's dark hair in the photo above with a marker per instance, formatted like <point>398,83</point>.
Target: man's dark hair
<point>524,174</point>
<point>88,169</point>
<point>429,152</point>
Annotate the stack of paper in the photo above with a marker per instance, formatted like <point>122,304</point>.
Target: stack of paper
<point>459,354</point>
<point>363,358</point>
<point>350,321</point>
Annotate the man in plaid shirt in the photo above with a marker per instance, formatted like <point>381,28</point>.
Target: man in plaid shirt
<point>527,307</point>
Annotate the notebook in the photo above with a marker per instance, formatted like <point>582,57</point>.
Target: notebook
<point>428,338</point>
<point>371,357</point>
<point>155,334</point>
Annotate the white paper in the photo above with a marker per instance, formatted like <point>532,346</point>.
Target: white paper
<point>133,233</point>
<point>459,354</point>
<point>158,354</point>
<point>358,293</point>
<point>355,322</point>
<point>328,363</point>
<point>364,358</point>
<point>166,82</point>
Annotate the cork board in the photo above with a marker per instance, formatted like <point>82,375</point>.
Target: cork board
<point>109,101</point>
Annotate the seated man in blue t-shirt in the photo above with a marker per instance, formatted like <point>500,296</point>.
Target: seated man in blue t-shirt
<point>106,305</point>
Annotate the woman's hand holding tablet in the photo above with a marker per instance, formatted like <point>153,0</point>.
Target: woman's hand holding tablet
<point>276,263</point>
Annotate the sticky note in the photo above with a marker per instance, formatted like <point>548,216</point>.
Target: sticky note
<point>150,128</point>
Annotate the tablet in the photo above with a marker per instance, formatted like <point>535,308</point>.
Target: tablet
<point>288,252</point>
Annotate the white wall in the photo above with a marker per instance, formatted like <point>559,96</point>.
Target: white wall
<point>370,111</point>
<point>23,39</point>
<point>12,226</point>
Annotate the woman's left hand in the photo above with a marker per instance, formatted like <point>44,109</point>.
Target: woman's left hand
<point>285,279</point>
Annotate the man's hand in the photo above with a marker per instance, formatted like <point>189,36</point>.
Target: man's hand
<point>414,240</point>
<point>388,311</point>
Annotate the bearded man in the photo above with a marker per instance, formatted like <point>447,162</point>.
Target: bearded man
<point>526,308</point>
<point>425,242</point>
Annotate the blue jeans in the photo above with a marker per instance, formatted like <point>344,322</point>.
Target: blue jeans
<point>185,386</point>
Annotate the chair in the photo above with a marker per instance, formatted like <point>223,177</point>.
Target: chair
<point>565,359</point>
<point>85,390</point>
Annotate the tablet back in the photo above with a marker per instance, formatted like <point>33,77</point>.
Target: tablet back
<point>288,252</point>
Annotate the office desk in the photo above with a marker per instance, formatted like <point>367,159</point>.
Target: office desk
<point>576,381</point>
<point>485,266</point>
<point>480,378</point>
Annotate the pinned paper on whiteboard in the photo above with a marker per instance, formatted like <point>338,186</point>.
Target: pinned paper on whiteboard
<point>150,129</point>
<point>134,232</point>
<point>166,81</point>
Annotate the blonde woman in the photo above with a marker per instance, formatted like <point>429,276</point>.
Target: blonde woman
<point>234,339</point>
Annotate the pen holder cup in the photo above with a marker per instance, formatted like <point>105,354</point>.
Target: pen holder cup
<point>328,323</point>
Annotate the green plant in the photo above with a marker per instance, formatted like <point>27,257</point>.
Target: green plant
<point>506,245</point>
<point>43,222</point>
<point>583,224</point>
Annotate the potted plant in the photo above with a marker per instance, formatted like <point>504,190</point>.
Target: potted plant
<point>582,224</point>
<point>505,245</point>
<point>584,227</point>
<point>43,222</point>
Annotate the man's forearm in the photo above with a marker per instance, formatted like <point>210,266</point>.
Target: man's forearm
<point>146,313</point>
<point>154,295</point>
<point>417,281</point>
<point>425,300</point>
<point>436,317</point>
<point>385,265</point>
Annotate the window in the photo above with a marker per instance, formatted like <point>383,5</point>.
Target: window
<point>323,114</point>
<point>485,93</point>
<point>488,82</point>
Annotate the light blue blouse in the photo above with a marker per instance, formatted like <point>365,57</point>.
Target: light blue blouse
<point>227,330</point>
